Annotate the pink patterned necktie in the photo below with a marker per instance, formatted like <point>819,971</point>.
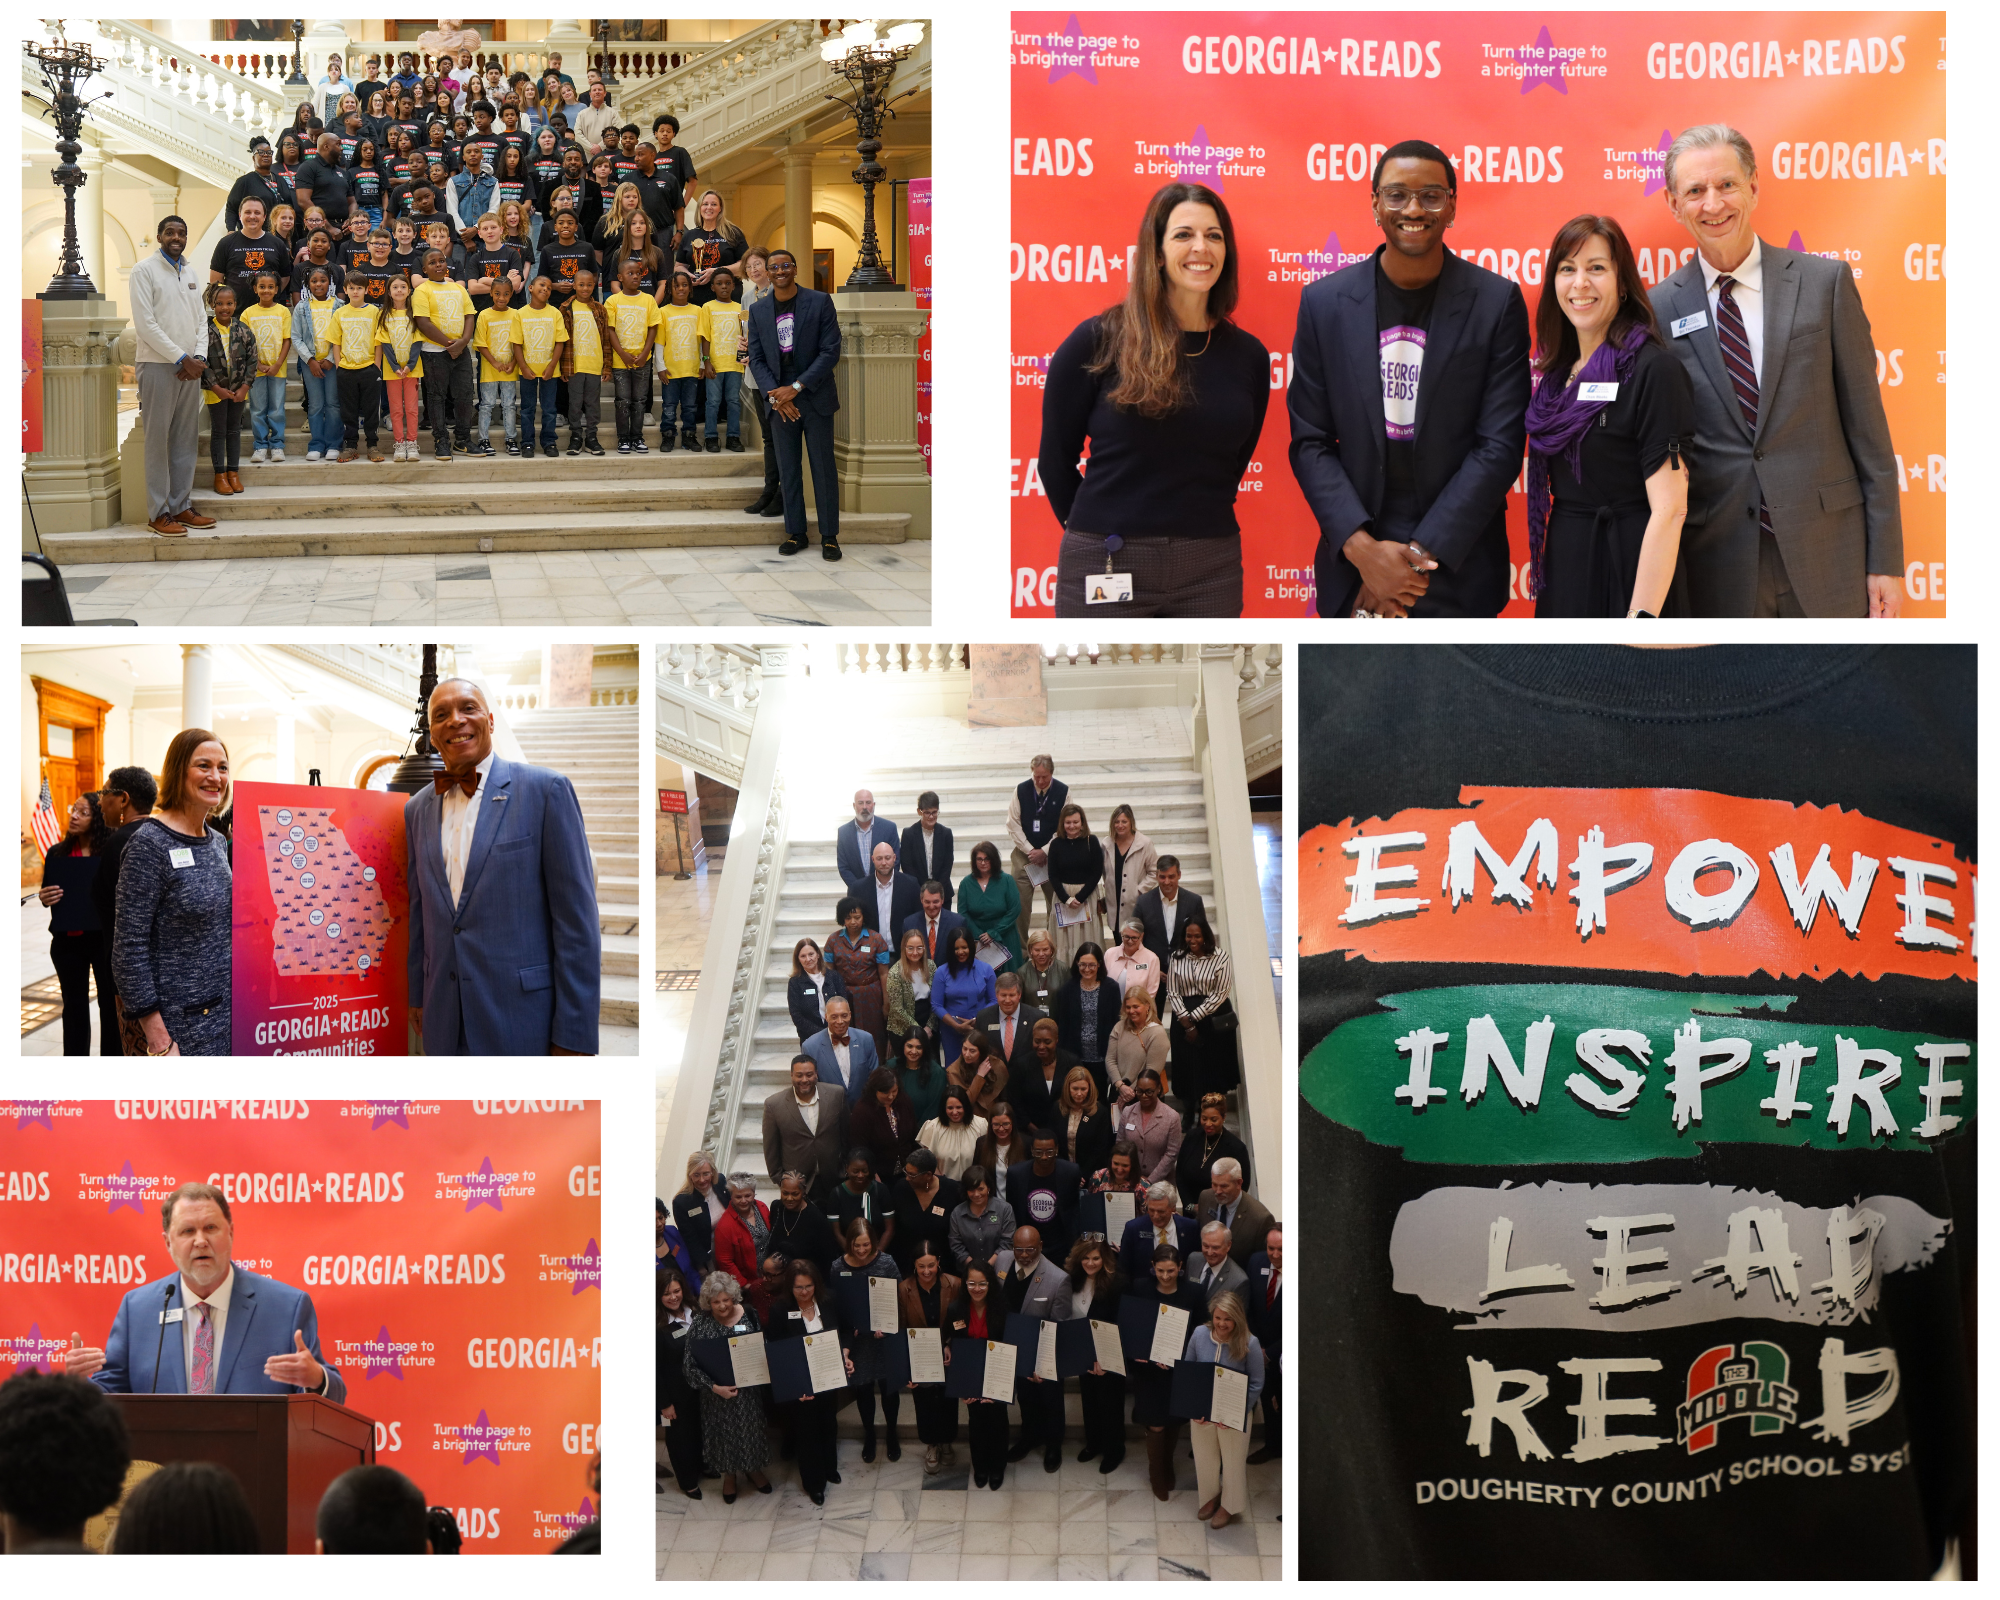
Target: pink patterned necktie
<point>203,1381</point>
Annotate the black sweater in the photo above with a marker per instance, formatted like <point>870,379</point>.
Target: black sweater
<point>1175,474</point>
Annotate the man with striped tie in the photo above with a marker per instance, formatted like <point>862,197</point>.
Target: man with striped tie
<point>1793,503</point>
<point>208,1327</point>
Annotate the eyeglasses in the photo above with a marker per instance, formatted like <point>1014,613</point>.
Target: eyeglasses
<point>1432,200</point>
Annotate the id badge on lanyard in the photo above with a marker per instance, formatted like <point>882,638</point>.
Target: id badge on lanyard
<point>1109,586</point>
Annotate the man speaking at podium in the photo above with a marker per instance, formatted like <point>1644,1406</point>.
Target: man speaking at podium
<point>505,954</point>
<point>213,1329</point>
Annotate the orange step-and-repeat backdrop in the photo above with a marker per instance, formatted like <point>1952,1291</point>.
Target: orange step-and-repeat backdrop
<point>450,1249</point>
<point>1545,115</point>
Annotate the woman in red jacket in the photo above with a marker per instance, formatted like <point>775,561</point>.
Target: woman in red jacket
<point>742,1237</point>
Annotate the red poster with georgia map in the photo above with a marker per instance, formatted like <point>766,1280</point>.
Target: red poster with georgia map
<point>320,939</point>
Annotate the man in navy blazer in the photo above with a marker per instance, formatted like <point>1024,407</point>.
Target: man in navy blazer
<point>854,842</point>
<point>932,920</point>
<point>208,1327</point>
<point>504,946</point>
<point>794,348</point>
<point>1409,403</point>
<point>840,1033</point>
<point>889,882</point>
<point>1157,1223</point>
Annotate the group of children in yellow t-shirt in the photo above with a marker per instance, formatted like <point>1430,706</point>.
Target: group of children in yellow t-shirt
<point>356,355</point>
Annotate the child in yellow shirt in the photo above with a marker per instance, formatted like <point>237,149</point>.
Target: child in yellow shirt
<point>351,332</point>
<point>317,375</point>
<point>402,367</point>
<point>443,312</point>
<point>497,338</point>
<point>541,336</point>
<point>583,361</point>
<point>721,367</point>
<point>634,320</point>
<point>679,361</point>
<point>270,323</point>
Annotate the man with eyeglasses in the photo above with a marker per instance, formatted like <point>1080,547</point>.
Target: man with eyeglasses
<point>1798,511</point>
<point>1409,402</point>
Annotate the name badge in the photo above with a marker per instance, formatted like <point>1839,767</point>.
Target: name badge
<point>171,1316</point>
<point>958,1325</point>
<point>796,1316</point>
<point>937,1211</point>
<point>1687,325</point>
<point>181,856</point>
<point>1597,391</point>
<point>1106,588</point>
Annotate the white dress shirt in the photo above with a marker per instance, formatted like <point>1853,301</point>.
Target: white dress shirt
<point>1169,913</point>
<point>460,817</point>
<point>885,899</point>
<point>1747,290</point>
<point>929,837</point>
<point>809,1110</point>
<point>218,1316</point>
<point>843,1056</point>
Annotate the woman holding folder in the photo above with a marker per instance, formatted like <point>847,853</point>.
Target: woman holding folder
<point>733,1436</point>
<point>805,1310</point>
<point>980,1313</point>
<point>1152,1383</point>
<point>1220,1472</point>
<point>925,1296</point>
<point>865,1259</point>
<point>1092,1289</point>
<point>678,1400</point>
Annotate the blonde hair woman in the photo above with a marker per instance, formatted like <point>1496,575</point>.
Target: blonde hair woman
<point>714,242</point>
<point>699,1207</point>
<point>170,950</point>
<point>1221,1472</point>
<point>1138,1044</point>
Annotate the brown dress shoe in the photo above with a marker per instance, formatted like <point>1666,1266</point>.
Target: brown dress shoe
<point>236,481</point>
<point>221,484</point>
<point>193,518</point>
<point>167,527</point>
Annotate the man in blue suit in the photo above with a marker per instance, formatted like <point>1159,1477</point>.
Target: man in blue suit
<point>934,922</point>
<point>504,947</point>
<point>214,1328</point>
<point>1159,1223</point>
<point>1409,404</point>
<point>839,1037</point>
<point>794,347</point>
<point>854,842</point>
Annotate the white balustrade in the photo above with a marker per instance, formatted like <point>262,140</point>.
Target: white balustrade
<point>728,676</point>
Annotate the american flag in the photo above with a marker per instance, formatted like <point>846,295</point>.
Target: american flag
<point>48,826</point>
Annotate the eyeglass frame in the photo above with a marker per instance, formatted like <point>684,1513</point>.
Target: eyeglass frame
<point>1445,198</point>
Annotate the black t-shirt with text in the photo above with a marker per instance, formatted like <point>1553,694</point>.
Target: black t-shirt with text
<point>240,259</point>
<point>560,264</point>
<point>1638,1080</point>
<point>1402,323</point>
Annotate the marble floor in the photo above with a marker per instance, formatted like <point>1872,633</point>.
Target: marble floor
<point>888,1521</point>
<point>882,585</point>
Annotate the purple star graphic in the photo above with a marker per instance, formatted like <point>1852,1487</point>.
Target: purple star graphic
<point>483,1187</point>
<point>482,1443</point>
<point>1549,72</point>
<point>33,1111</point>
<point>1797,243</point>
<point>125,1182</point>
<point>1086,69</point>
<point>1655,184</point>
<point>1200,142</point>
<point>1332,246</point>
<point>400,1116</point>
<point>35,1358</point>
<point>590,1269</point>
<point>585,1513</point>
<point>376,1356</point>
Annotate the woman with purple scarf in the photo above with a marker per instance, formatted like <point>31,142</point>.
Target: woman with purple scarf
<point>1608,426</point>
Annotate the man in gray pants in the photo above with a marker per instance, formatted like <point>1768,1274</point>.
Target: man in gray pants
<point>170,319</point>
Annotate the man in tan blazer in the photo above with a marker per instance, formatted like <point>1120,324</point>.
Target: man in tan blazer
<point>805,1129</point>
<point>1793,506</point>
<point>1246,1217</point>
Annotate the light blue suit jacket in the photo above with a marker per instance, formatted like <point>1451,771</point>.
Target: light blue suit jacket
<point>514,967</point>
<point>263,1316</point>
<point>860,1056</point>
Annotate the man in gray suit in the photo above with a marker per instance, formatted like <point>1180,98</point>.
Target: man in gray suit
<point>1212,1270</point>
<point>1793,508</point>
<point>1029,1281</point>
<point>1244,1215</point>
<point>803,1129</point>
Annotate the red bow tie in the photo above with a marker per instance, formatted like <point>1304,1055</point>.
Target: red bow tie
<point>469,783</point>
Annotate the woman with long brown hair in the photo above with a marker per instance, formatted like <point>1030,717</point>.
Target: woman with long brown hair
<point>1608,425</point>
<point>1171,395</point>
<point>78,945</point>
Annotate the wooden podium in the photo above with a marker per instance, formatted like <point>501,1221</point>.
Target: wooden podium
<point>283,1449</point>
